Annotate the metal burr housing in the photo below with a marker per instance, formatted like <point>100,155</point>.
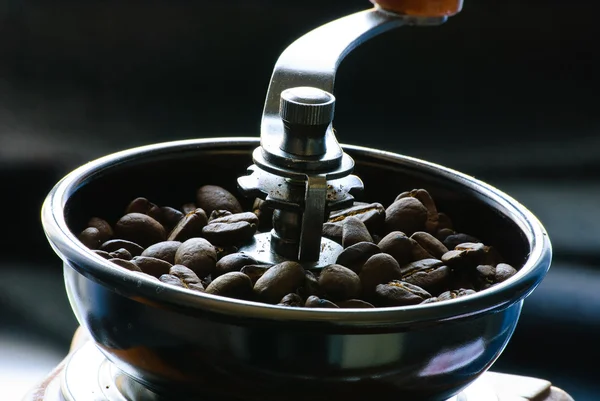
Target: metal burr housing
<point>179,343</point>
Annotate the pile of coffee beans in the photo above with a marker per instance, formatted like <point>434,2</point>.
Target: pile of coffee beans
<point>405,254</point>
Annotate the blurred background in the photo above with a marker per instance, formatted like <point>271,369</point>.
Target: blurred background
<point>506,91</point>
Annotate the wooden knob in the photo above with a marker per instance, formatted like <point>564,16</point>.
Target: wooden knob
<point>421,8</point>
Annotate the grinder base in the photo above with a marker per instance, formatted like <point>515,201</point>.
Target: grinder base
<point>86,375</point>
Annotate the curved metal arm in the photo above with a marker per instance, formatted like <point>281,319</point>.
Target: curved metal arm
<point>313,60</point>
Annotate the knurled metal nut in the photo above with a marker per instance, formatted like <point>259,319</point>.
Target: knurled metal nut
<point>306,106</point>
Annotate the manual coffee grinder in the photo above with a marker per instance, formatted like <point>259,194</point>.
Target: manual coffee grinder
<point>141,340</point>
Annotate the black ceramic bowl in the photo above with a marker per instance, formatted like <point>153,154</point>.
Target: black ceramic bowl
<point>185,343</point>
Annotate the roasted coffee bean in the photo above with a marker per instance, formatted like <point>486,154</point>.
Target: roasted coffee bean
<point>279,281</point>
<point>233,285</point>
<point>291,300</point>
<point>106,231</point>
<point>429,243</point>
<point>491,256</point>
<point>444,222</point>
<point>217,214</point>
<point>127,264</point>
<point>371,214</point>
<point>417,252</point>
<point>164,250</point>
<point>407,215</point>
<point>453,240</point>
<point>232,229</point>
<point>338,283</point>
<point>464,255</point>
<point>140,205</point>
<point>333,231</point>
<point>91,237</point>
<point>213,197</point>
<point>398,245</point>
<point>255,272</point>
<point>264,214</point>
<point>116,244</point>
<point>399,293</point>
<point>121,253</point>
<point>485,276</point>
<point>448,295</point>
<point>140,228</point>
<point>152,266</point>
<point>444,233</point>
<point>188,208</point>
<point>355,256</point>
<point>232,263</point>
<point>183,277</point>
<point>429,274</point>
<point>316,302</point>
<point>197,254</point>
<point>378,269</point>
<point>310,286</point>
<point>354,304</point>
<point>167,216</point>
<point>504,272</point>
<point>190,226</point>
<point>103,254</point>
<point>354,231</point>
<point>431,225</point>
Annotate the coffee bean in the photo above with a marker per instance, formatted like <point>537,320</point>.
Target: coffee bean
<point>464,255</point>
<point>183,277</point>
<point>417,252</point>
<point>232,229</point>
<point>116,244</point>
<point>167,216</point>
<point>223,251</point>
<point>354,304</point>
<point>255,272</point>
<point>429,243</point>
<point>355,256</point>
<point>316,302</point>
<point>444,233</point>
<point>491,256</point>
<point>407,215</point>
<point>140,228</point>
<point>152,266</point>
<point>172,280</point>
<point>448,295</point>
<point>429,300</point>
<point>91,237</point>
<point>371,214</point>
<point>429,274</point>
<point>504,272</point>
<point>197,254</point>
<point>333,231</point>
<point>188,208</point>
<point>106,231</point>
<point>127,264</point>
<point>453,240</point>
<point>278,281</point>
<point>378,269</point>
<point>310,286</point>
<point>291,300</point>
<point>232,263</point>
<point>164,250</point>
<point>140,205</point>
<point>398,245</point>
<point>431,225</point>
<point>233,285</point>
<point>213,197</point>
<point>121,253</point>
<point>444,222</point>
<point>354,231</point>
<point>338,283</point>
<point>217,214</point>
<point>190,226</point>
<point>485,276</point>
<point>103,254</point>
<point>399,293</point>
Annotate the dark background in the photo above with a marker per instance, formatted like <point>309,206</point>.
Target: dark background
<point>506,91</point>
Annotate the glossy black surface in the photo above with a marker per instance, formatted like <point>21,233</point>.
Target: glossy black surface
<point>181,341</point>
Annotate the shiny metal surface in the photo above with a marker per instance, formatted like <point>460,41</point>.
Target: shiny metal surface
<point>173,340</point>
